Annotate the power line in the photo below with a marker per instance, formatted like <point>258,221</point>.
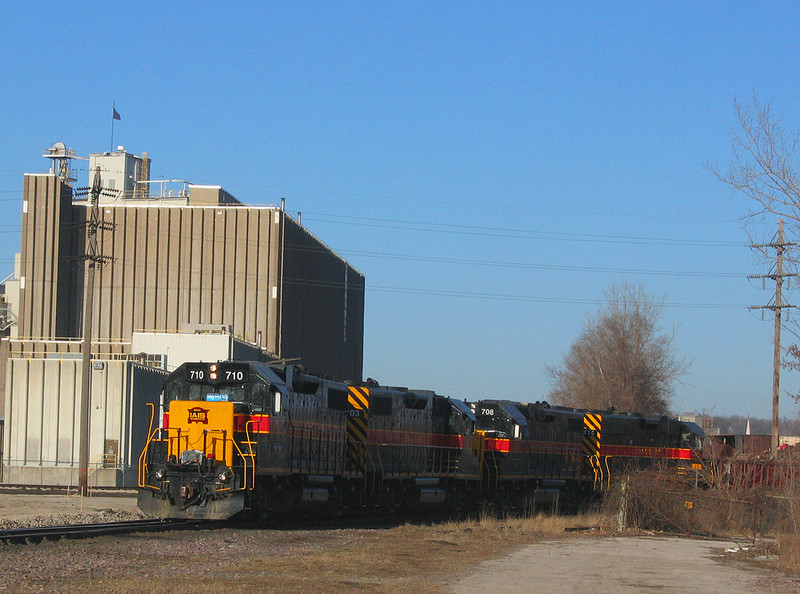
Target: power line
<point>489,203</point>
<point>449,228</point>
<point>486,263</point>
<point>779,246</point>
<point>531,298</point>
<point>528,266</point>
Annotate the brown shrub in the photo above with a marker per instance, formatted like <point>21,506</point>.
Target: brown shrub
<point>660,499</point>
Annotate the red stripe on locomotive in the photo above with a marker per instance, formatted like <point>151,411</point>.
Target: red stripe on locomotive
<point>447,441</point>
<point>498,445</point>
<point>645,452</point>
<point>259,423</point>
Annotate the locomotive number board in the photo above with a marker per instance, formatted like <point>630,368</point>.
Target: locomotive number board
<point>217,374</point>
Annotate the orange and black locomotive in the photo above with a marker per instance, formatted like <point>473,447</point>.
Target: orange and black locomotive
<point>273,441</point>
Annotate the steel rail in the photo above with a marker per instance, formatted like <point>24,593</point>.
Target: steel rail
<point>31,535</point>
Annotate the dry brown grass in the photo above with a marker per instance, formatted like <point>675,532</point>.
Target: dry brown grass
<point>411,557</point>
<point>789,552</point>
<point>417,557</point>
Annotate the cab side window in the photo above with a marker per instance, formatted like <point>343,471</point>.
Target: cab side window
<point>259,402</point>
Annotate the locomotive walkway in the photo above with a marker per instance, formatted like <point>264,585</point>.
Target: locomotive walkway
<point>624,564</point>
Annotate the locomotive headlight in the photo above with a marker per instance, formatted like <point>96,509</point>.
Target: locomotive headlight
<point>160,473</point>
<point>212,372</point>
<point>224,476</point>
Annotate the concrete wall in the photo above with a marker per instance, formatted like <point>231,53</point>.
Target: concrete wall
<point>177,349</point>
<point>169,266</point>
<point>174,266</point>
<point>42,417</point>
<point>210,195</point>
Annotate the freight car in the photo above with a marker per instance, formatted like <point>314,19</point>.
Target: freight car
<point>273,441</point>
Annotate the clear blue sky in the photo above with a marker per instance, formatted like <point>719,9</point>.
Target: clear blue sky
<point>491,168</point>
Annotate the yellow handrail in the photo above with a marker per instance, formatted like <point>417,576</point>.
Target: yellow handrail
<point>248,458</point>
<point>140,479</point>
<point>252,457</point>
<point>607,484</point>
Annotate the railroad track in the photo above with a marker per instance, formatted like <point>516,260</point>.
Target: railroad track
<point>73,531</point>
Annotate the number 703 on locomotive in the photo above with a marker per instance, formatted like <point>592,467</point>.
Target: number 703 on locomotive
<point>271,441</point>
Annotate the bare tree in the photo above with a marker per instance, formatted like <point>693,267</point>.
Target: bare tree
<point>764,169</point>
<point>764,162</point>
<point>620,360</point>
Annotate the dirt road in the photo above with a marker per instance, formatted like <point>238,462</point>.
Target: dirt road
<point>624,564</point>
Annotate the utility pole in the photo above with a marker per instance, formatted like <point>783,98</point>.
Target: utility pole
<point>779,246</point>
<point>93,259</point>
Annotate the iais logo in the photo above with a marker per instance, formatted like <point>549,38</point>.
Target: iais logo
<point>198,415</point>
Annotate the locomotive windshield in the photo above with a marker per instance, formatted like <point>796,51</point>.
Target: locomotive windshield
<point>499,419</point>
<point>229,383</point>
<point>462,419</point>
<point>692,436</point>
<point>490,422</point>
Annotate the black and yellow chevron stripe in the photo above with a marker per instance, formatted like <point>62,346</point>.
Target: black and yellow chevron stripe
<point>592,429</point>
<point>357,423</point>
<point>592,436</point>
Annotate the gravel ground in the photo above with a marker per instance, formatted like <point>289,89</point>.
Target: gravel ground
<point>20,509</point>
<point>413,559</point>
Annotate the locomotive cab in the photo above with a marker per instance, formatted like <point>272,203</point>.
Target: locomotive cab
<point>500,421</point>
<point>692,436</point>
<point>201,459</point>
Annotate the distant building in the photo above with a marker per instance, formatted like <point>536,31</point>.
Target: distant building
<point>706,423</point>
<point>178,259</point>
<point>726,446</point>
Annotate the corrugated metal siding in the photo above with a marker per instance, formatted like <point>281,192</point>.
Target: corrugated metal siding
<point>41,423</point>
<point>177,266</point>
<point>315,283</point>
<point>47,300</point>
<point>353,355</point>
<point>144,387</point>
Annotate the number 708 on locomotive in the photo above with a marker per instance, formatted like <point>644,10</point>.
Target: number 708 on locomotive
<point>271,441</point>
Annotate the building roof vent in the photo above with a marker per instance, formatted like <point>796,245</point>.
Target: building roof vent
<point>61,157</point>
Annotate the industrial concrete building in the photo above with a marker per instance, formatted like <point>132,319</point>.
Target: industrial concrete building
<point>181,258</point>
<point>176,258</point>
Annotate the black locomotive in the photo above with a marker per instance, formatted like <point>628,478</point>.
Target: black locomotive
<point>273,441</point>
